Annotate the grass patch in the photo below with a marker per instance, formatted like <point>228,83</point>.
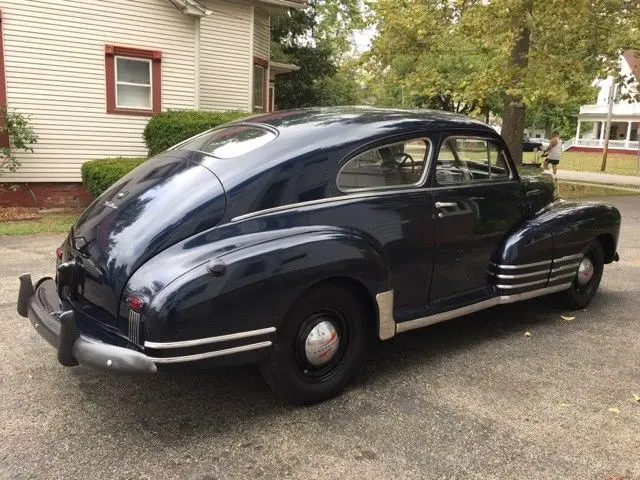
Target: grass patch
<point>47,223</point>
<point>617,163</point>
<point>580,190</point>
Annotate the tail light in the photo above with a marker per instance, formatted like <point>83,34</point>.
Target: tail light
<point>59,253</point>
<point>136,303</point>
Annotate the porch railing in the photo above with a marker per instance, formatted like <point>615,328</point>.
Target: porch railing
<point>597,143</point>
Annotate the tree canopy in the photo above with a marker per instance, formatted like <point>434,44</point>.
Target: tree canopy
<point>501,56</point>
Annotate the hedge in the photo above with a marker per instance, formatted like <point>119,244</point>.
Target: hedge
<point>98,175</point>
<point>169,128</point>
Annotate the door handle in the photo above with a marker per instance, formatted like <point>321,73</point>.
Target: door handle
<point>446,204</point>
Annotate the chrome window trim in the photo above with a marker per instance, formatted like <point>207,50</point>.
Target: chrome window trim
<point>499,149</point>
<point>208,340</point>
<point>213,354</point>
<point>524,265</point>
<point>425,172</point>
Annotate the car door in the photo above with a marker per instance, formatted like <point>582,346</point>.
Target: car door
<point>478,200</point>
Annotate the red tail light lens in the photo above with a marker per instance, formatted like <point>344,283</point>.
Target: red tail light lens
<point>135,303</point>
<point>59,253</point>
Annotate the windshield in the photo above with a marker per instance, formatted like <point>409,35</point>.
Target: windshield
<point>230,142</point>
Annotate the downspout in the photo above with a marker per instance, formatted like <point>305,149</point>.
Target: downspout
<point>251,28</point>
<point>196,63</point>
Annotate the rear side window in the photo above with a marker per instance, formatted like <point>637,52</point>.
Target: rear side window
<point>395,165</point>
<point>230,142</point>
<point>470,160</point>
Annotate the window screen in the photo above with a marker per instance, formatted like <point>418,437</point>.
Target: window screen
<point>398,164</point>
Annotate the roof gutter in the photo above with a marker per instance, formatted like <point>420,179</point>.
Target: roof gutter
<point>285,3</point>
<point>191,7</point>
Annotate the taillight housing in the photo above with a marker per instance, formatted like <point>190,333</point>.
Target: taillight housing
<point>136,303</point>
<point>59,253</point>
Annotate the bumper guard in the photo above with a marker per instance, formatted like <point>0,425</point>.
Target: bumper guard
<point>42,305</point>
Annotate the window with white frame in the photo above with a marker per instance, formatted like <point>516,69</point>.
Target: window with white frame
<point>134,85</point>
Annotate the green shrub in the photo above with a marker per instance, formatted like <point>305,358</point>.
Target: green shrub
<point>169,128</point>
<point>98,175</point>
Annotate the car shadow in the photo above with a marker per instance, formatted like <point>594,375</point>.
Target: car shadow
<point>191,403</point>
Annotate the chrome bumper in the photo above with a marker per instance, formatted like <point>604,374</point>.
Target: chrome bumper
<point>43,307</point>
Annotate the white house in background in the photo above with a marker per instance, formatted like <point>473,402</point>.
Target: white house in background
<point>625,120</point>
<point>90,73</point>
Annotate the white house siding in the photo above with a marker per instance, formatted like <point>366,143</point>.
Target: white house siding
<point>261,34</point>
<point>55,72</point>
<point>225,52</point>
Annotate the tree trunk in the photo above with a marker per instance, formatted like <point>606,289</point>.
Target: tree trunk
<point>514,110</point>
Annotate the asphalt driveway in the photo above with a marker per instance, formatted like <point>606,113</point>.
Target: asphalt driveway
<point>472,398</point>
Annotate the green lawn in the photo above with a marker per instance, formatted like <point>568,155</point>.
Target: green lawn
<point>618,163</point>
<point>577,190</point>
<point>48,222</point>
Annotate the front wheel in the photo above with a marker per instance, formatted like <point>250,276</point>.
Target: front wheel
<point>320,345</point>
<point>587,280</point>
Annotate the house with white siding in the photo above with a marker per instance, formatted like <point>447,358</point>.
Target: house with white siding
<point>624,131</point>
<point>90,73</point>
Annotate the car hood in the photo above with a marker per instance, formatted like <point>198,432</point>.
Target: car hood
<point>165,200</point>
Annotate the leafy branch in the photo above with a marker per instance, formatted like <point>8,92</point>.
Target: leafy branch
<point>21,138</point>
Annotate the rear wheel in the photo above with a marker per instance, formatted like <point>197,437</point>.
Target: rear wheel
<point>587,280</point>
<point>320,345</point>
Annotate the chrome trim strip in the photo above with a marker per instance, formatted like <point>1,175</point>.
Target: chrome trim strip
<point>524,265</point>
<point>569,257</point>
<point>349,197</point>
<point>215,353</point>
<point>134,327</point>
<point>206,341</point>
<point>521,285</point>
<point>386,323</point>
<point>566,267</point>
<point>459,312</point>
<point>523,275</point>
<point>560,277</point>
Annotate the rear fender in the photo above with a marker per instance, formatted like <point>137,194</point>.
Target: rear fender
<point>253,285</point>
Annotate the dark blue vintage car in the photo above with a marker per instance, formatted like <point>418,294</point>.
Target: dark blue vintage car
<point>296,238</point>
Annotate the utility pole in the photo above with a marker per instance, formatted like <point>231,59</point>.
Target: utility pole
<point>607,131</point>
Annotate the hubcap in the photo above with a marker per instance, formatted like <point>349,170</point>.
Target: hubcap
<point>321,344</point>
<point>585,271</point>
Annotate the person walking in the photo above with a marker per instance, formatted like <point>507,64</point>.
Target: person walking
<point>553,152</point>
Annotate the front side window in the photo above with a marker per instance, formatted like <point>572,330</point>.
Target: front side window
<point>133,80</point>
<point>470,160</point>
<point>229,142</point>
<point>395,165</point>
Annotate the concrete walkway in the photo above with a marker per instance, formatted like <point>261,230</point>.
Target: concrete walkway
<point>597,177</point>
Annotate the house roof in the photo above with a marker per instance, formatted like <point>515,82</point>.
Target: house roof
<point>277,68</point>
<point>194,7</point>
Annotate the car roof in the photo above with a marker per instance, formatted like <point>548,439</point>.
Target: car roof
<point>339,117</point>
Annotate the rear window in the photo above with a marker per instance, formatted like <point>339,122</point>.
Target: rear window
<point>230,142</point>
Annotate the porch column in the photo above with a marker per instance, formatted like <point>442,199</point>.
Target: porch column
<point>578,133</point>
<point>603,127</point>
<point>626,144</point>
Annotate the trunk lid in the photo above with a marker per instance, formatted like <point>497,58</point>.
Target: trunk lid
<point>165,200</point>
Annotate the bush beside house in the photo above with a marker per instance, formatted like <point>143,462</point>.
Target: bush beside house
<point>98,175</point>
<point>174,126</point>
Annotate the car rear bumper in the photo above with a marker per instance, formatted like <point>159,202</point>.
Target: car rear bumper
<point>57,326</point>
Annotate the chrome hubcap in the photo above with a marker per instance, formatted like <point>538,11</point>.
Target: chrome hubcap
<point>321,344</point>
<point>585,271</point>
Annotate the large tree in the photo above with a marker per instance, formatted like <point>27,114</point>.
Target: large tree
<point>517,53</point>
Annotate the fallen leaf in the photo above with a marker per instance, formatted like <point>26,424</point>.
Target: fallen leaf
<point>636,397</point>
<point>527,334</point>
<point>567,318</point>
<point>614,410</point>
<point>564,405</point>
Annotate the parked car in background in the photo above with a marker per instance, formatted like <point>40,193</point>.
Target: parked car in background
<point>535,144</point>
<point>294,239</point>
